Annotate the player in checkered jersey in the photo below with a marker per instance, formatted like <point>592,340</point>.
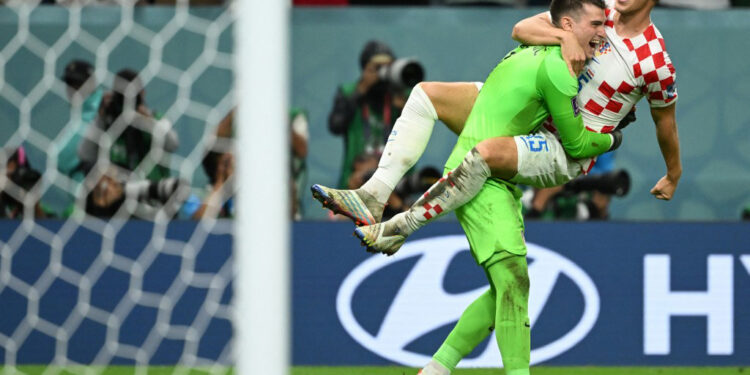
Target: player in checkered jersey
<point>631,64</point>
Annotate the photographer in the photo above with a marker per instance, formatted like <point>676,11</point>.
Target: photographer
<point>132,166</point>
<point>131,127</point>
<point>364,111</point>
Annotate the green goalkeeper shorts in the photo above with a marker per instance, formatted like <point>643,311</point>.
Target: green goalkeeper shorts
<point>493,221</point>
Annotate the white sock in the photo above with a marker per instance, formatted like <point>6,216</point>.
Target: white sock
<point>449,193</point>
<point>405,145</point>
<point>435,368</point>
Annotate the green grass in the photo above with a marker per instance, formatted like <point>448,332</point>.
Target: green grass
<point>304,370</point>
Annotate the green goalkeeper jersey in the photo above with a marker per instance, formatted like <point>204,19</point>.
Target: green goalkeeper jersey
<point>530,84</point>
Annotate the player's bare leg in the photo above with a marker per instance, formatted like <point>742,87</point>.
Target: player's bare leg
<point>494,157</point>
<point>428,101</point>
<point>453,101</point>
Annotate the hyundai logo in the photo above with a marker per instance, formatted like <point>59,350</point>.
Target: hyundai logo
<point>421,305</point>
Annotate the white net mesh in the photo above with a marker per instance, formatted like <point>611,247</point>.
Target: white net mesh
<point>79,290</point>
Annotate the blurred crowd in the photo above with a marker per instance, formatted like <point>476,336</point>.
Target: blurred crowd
<point>113,159</point>
<point>692,4</point>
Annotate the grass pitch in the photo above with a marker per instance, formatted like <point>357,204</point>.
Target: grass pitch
<point>361,370</point>
<point>541,370</point>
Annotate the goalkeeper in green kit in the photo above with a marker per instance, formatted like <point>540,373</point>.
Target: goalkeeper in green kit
<point>531,84</point>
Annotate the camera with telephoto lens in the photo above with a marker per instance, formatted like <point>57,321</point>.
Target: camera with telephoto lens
<point>402,73</point>
<point>417,183</point>
<point>615,183</point>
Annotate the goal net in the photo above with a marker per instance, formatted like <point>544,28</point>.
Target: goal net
<point>118,186</point>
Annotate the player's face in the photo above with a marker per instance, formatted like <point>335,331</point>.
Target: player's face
<point>589,28</point>
<point>633,6</point>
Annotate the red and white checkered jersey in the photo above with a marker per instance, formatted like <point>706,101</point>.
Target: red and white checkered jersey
<point>622,72</point>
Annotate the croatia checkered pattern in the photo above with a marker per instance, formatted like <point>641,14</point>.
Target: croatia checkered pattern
<point>431,211</point>
<point>622,72</point>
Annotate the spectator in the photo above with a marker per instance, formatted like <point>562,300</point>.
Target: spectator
<point>130,126</point>
<point>19,179</point>
<point>131,164</point>
<point>364,111</point>
<point>299,137</point>
<point>84,96</point>
<point>218,164</point>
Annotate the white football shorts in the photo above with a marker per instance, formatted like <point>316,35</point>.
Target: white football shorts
<point>542,161</point>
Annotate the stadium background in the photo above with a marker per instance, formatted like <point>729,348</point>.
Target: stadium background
<point>707,48</point>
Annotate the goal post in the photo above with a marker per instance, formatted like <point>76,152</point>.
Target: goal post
<point>262,232</point>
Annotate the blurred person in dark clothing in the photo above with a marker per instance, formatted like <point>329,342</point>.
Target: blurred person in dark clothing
<point>364,111</point>
<point>20,178</point>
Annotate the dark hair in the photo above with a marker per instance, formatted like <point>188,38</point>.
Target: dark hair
<point>560,8</point>
<point>124,79</point>
<point>210,162</point>
<point>76,73</point>
<point>373,48</point>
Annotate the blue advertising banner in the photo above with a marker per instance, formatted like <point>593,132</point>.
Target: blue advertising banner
<point>601,294</point>
<point>111,292</point>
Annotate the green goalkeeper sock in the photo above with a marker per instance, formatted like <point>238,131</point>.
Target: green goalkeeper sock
<point>510,280</point>
<point>475,324</point>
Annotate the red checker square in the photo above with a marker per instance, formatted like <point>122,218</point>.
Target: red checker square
<point>656,96</point>
<point>614,106</point>
<point>593,107</point>
<point>643,52</point>
<point>659,60</point>
<point>628,43</point>
<point>438,209</point>
<point>606,89</point>
<point>651,77</point>
<point>637,70</point>
<point>427,206</point>
<point>650,33</point>
<point>663,46</point>
<point>670,99</point>
<point>666,82</point>
<point>427,216</point>
<point>609,23</point>
<point>671,68</point>
<point>607,129</point>
<point>625,88</point>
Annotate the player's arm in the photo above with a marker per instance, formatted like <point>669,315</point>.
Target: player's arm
<point>559,91</point>
<point>669,143</point>
<point>538,30</point>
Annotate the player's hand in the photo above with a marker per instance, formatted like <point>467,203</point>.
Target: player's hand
<point>664,188</point>
<point>573,54</point>
<point>629,118</point>
<point>616,139</point>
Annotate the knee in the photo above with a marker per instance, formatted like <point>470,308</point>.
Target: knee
<point>501,156</point>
